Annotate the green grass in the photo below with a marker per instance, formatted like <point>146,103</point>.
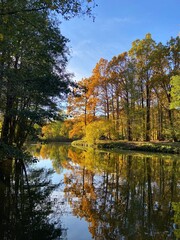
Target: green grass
<point>162,147</point>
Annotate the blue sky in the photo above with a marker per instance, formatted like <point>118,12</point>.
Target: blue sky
<point>118,23</point>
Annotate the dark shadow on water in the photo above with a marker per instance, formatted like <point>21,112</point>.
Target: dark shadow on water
<point>25,201</point>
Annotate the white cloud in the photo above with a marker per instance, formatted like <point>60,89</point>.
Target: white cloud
<point>119,20</point>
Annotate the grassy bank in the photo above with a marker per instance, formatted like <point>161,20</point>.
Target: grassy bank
<point>56,139</point>
<point>161,147</point>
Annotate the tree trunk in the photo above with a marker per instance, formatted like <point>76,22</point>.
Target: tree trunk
<point>160,124</point>
<point>170,114</point>
<point>129,127</point>
<point>148,125</point>
<point>107,103</point>
<point>6,134</point>
<point>117,113</point>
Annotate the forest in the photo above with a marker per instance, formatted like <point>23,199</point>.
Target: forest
<point>134,96</point>
<point>33,60</point>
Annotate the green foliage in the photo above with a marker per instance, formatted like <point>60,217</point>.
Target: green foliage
<point>66,8</point>
<point>99,129</point>
<point>77,130</point>
<point>28,205</point>
<point>65,128</point>
<point>133,90</point>
<point>53,130</point>
<point>175,92</point>
<point>12,152</point>
<point>33,58</point>
<point>1,37</point>
<point>176,208</point>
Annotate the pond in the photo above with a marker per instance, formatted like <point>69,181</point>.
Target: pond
<point>74,194</point>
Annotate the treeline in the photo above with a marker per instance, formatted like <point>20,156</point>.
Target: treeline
<point>33,59</point>
<point>134,96</point>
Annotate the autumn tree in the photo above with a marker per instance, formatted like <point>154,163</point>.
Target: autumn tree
<point>175,92</point>
<point>133,91</point>
<point>141,50</point>
<point>165,62</point>
<point>124,90</point>
<point>82,106</point>
<point>160,86</point>
<point>100,78</point>
<point>101,129</point>
<point>33,57</point>
<point>116,69</point>
<point>174,69</point>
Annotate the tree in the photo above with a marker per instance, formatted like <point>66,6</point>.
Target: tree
<point>133,91</point>
<point>121,71</point>
<point>99,129</point>
<point>116,68</point>
<point>165,63</point>
<point>175,92</point>
<point>141,50</point>
<point>66,8</point>
<point>160,87</point>
<point>33,57</point>
<point>82,104</point>
<point>100,78</point>
<point>173,46</point>
<point>33,75</point>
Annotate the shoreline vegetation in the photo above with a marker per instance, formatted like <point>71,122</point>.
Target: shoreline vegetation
<point>154,146</point>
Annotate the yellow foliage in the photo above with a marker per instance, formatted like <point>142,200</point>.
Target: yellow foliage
<point>77,130</point>
<point>98,129</point>
<point>1,37</point>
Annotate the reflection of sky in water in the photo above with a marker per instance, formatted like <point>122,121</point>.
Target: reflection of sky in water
<point>77,229</point>
<point>47,164</point>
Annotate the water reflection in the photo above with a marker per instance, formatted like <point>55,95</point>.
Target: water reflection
<point>119,195</point>
<point>124,196</point>
<point>25,202</point>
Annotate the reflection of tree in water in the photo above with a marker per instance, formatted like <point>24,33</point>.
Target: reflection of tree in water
<point>124,197</point>
<point>56,152</point>
<point>26,205</point>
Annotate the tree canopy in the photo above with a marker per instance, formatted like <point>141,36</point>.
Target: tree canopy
<point>137,91</point>
<point>66,8</point>
<point>33,58</point>
<point>175,92</point>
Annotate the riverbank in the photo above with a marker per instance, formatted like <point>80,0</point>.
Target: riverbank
<point>155,146</point>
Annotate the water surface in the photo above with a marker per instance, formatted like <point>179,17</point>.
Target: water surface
<point>104,195</point>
